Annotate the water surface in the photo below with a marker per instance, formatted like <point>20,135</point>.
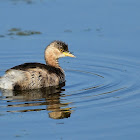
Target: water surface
<point>100,99</point>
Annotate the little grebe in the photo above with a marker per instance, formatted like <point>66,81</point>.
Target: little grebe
<point>36,75</point>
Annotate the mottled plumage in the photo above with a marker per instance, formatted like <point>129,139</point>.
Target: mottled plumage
<point>37,75</point>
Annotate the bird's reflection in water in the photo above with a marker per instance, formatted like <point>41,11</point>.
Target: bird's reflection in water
<point>35,100</point>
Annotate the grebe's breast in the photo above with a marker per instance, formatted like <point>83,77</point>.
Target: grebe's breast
<point>35,75</point>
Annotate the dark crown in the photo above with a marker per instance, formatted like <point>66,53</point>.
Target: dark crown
<point>61,45</point>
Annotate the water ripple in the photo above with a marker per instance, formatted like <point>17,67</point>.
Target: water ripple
<point>105,81</point>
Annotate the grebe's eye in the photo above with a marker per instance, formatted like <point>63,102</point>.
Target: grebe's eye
<point>61,50</point>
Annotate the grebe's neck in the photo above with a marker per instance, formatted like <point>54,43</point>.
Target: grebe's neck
<point>50,58</point>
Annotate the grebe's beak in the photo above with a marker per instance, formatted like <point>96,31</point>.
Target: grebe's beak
<point>68,54</point>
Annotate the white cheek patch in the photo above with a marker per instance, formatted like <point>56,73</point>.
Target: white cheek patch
<point>62,55</point>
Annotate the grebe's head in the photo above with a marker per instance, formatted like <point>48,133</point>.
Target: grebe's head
<point>58,49</point>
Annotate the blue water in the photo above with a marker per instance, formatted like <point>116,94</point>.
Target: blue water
<point>101,98</point>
